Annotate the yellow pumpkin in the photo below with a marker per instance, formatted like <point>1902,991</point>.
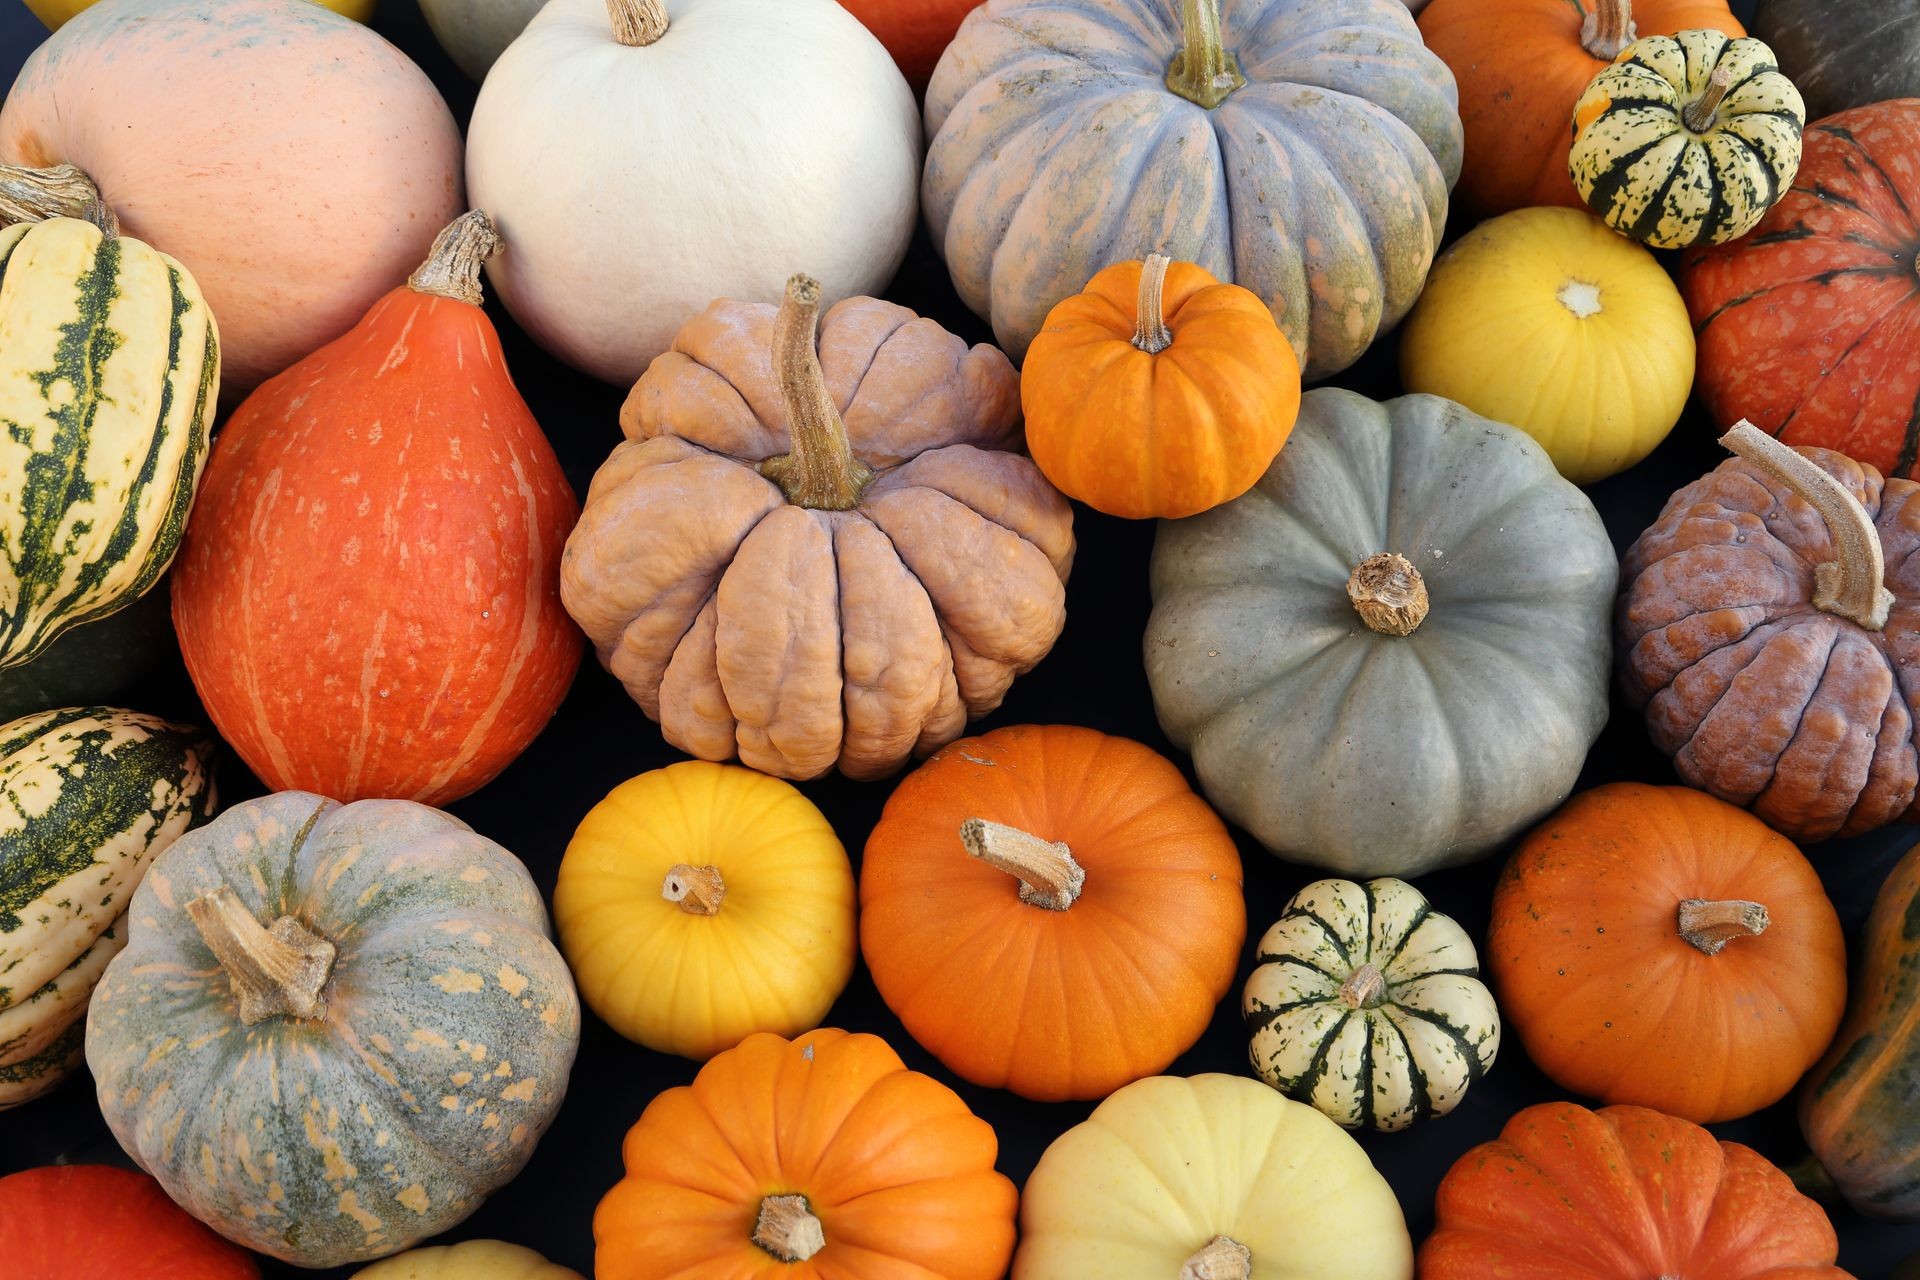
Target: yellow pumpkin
<point>700,903</point>
<point>55,13</point>
<point>1545,319</point>
<point>471,1260</point>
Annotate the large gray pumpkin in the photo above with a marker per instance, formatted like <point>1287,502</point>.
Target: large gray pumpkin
<point>1844,53</point>
<point>1276,656</point>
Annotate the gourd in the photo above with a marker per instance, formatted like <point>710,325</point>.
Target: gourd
<point>1366,1003</point>
<point>1655,946</point>
<point>822,1156</point>
<point>55,13</point>
<point>1299,149</point>
<point>367,601</point>
<point>108,380</point>
<point>292,231</point>
<point>95,1222</point>
<point>915,32</point>
<point>1622,1193</point>
<point>812,552</point>
<point>1396,741</point>
<point>475,32</point>
<point>744,136</point>
<point>88,797</point>
<point>1765,627</point>
<point>1158,391</point>
<point>1805,326</point>
<point>700,903</point>
<point>1842,56</point>
<point>1521,66</point>
<point>468,1260</point>
<point>1210,1178</point>
<point>392,967</point>
<point>1546,320</point>
<point>1687,139</point>
<point>97,663</point>
<point>1006,878</point>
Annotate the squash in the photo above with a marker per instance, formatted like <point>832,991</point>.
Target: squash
<point>359,1001</point>
<point>88,797</point>
<point>1521,66</point>
<point>95,1222</point>
<point>1842,56</point>
<point>1686,139</point>
<point>368,599</point>
<point>292,231</point>
<point>1766,627</point>
<point>1806,325</point>
<point>1158,391</point>
<point>468,1260</point>
<point>1051,910</point>
<point>819,552</point>
<point>1301,149</point>
<point>915,32</point>
<point>1544,319</point>
<point>1399,741</point>
<point>700,903</point>
<point>108,379</point>
<point>1622,1193</point>
<point>1367,1004</point>
<point>1211,1178</point>
<point>56,13</point>
<point>735,138</point>
<point>475,32</point>
<point>822,1156</point>
<point>98,663</point>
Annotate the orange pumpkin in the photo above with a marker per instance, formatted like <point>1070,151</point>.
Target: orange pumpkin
<point>821,1157</point>
<point>1656,946</point>
<point>1158,391</point>
<point>1051,910</point>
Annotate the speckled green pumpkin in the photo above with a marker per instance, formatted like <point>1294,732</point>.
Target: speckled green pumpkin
<point>402,1072</point>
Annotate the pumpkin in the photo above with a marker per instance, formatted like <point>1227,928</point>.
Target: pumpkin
<point>367,602</point>
<point>292,231</point>
<point>819,551</point>
<point>1051,910</point>
<point>822,1156</point>
<point>1211,1178</point>
<point>1544,319</point>
<point>55,13</point>
<point>1844,56</point>
<point>1806,325</point>
<point>108,380</point>
<point>335,1029</point>
<point>1367,1003</point>
<point>1622,1193</point>
<point>1299,149</point>
<point>95,1222</point>
<point>468,1260</point>
<point>1758,632</point>
<point>1158,391</point>
<point>1686,139</point>
<point>475,32</point>
<point>1399,740</point>
<point>1655,946</point>
<point>743,136</point>
<point>700,903</point>
<point>88,796</point>
<point>1522,64</point>
<point>97,663</point>
<point>915,32</point>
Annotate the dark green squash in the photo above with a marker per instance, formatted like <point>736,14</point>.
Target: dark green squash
<point>1844,53</point>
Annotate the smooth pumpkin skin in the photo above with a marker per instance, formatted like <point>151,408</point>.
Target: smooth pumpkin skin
<point>96,1222</point>
<point>468,1260</point>
<point>895,1168</point>
<point>915,32</point>
<point>476,32</point>
<point>1052,1004</point>
<point>1622,1193</point>
<point>776,954</point>
<point>1844,56</point>
<point>55,13</point>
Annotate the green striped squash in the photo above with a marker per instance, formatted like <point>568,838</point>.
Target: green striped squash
<point>109,374</point>
<point>88,796</point>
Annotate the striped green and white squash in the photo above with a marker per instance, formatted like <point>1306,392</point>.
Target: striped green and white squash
<point>1367,1003</point>
<point>88,796</point>
<point>109,375</point>
<point>1687,139</point>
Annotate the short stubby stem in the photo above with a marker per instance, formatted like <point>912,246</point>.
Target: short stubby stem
<point>1203,72</point>
<point>452,268</point>
<point>58,191</point>
<point>1699,115</point>
<point>1221,1258</point>
<point>1363,987</point>
<point>698,891</point>
<point>1150,332</point>
<point>1049,877</point>
<point>275,972</point>
<point>637,23</point>
<point>786,1228</point>
<point>1389,594</point>
<point>819,472</point>
<point>1608,29</point>
<point>1709,926</point>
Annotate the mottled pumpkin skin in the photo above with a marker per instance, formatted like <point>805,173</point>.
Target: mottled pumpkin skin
<point>449,1028</point>
<point>1321,185</point>
<point>96,1222</point>
<point>1842,56</point>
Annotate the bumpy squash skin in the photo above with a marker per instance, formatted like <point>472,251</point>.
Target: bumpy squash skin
<point>469,1260</point>
<point>96,1222</point>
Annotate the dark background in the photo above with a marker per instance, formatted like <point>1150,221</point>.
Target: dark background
<point>1093,677</point>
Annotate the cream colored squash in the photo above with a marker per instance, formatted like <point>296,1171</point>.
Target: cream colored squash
<point>470,1260</point>
<point>475,32</point>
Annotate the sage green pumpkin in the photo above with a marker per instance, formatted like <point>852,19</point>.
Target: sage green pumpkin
<point>1392,653</point>
<point>334,1030</point>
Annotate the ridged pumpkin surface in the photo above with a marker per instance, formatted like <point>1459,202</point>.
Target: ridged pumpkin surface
<point>96,1222</point>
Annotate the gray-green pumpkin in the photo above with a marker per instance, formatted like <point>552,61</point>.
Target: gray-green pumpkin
<point>334,1030</point>
<point>1844,53</point>
<point>1392,653</point>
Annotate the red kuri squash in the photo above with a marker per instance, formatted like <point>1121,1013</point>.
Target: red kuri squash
<point>96,1222</point>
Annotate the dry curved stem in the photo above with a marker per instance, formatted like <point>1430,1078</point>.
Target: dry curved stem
<point>1203,72</point>
<point>58,191</point>
<point>820,472</point>
<point>1709,926</point>
<point>637,23</point>
<point>1363,987</point>
<point>698,891</point>
<point>1150,332</point>
<point>1221,1258</point>
<point>1699,114</point>
<point>786,1228</point>
<point>1049,877</point>
<point>275,972</point>
<point>1608,29</point>
<point>1389,594</point>
<point>452,268</point>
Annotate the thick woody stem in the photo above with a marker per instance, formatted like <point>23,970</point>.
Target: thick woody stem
<point>1608,29</point>
<point>820,472</point>
<point>452,268</point>
<point>1221,1258</point>
<point>1150,332</point>
<point>1710,926</point>
<point>698,891</point>
<point>1048,875</point>
<point>1363,987</point>
<point>276,972</point>
<point>60,191</point>
<point>1389,594</point>
<point>637,23</point>
<point>1203,72</point>
<point>786,1228</point>
<point>1699,114</point>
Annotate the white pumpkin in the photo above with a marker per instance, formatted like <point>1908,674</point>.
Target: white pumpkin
<point>473,32</point>
<point>644,157</point>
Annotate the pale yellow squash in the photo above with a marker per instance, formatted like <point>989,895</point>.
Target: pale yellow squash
<point>471,1260</point>
<point>55,13</point>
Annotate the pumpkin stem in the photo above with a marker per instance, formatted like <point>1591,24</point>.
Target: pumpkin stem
<point>1700,113</point>
<point>1852,586</point>
<point>276,972</point>
<point>1389,594</point>
<point>1203,72</point>
<point>1048,875</point>
<point>698,891</point>
<point>637,23</point>
<point>1608,29</point>
<point>60,191</point>
<point>452,268</point>
<point>1710,926</point>
<point>1150,332</point>
<point>786,1228</point>
<point>1221,1258</point>
<point>821,472</point>
<point>1363,987</point>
